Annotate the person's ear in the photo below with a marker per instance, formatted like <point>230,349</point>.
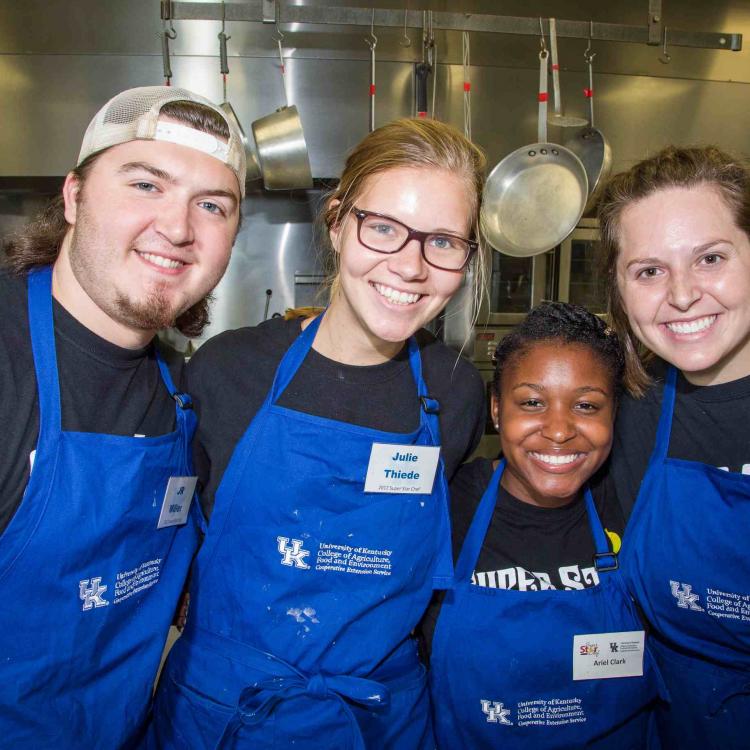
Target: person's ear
<point>334,233</point>
<point>495,411</point>
<point>71,194</point>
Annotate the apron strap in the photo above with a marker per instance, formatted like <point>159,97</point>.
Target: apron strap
<point>283,681</point>
<point>293,358</point>
<point>604,559</point>
<point>182,400</point>
<point>474,540</point>
<point>295,355</point>
<point>257,701</point>
<point>187,420</point>
<point>661,446</point>
<point>42,329</point>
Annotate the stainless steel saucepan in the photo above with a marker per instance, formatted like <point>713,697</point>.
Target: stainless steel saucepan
<point>280,140</point>
<point>536,195</point>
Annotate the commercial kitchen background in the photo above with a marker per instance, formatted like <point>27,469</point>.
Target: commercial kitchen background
<point>61,59</point>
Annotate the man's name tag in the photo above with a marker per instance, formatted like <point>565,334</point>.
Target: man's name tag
<point>177,499</point>
<point>402,468</point>
<point>601,655</point>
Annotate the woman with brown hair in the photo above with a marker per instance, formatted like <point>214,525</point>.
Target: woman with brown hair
<point>324,449</point>
<point>676,231</point>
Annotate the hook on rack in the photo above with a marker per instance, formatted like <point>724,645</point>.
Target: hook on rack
<point>665,58</point>
<point>542,43</point>
<point>167,14</point>
<point>223,20</point>
<point>371,39</point>
<point>588,55</point>
<point>278,34</point>
<point>171,32</point>
<point>405,41</point>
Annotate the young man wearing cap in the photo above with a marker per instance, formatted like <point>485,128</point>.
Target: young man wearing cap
<point>97,530</point>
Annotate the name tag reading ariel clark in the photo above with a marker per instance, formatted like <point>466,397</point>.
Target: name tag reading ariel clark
<point>402,468</point>
<point>176,503</point>
<point>599,656</point>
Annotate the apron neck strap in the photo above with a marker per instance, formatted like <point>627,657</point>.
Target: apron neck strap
<point>661,446</point>
<point>604,560</point>
<point>474,540</point>
<point>42,330</point>
<point>300,347</point>
<point>182,400</point>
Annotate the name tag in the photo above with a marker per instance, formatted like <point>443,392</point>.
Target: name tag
<point>599,656</point>
<point>177,499</point>
<point>402,468</point>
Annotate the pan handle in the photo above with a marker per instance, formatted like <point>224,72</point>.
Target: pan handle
<point>590,90</point>
<point>542,127</point>
<point>421,73</point>
<point>555,65</point>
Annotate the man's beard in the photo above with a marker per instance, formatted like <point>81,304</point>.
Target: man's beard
<point>153,313</point>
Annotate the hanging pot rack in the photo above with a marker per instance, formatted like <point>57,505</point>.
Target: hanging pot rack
<point>271,11</point>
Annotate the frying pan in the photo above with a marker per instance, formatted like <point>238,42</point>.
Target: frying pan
<point>590,145</point>
<point>535,196</point>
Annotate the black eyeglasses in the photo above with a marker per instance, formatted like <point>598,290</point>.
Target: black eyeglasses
<point>384,234</point>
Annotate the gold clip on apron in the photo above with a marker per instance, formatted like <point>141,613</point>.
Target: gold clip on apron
<point>326,542</point>
<point>686,560</point>
<point>91,568</point>
<point>549,670</point>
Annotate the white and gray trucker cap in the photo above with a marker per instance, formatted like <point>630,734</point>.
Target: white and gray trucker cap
<point>134,115</point>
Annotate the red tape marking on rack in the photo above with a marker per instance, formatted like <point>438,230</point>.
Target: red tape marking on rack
<point>422,114</point>
<point>555,66</point>
<point>543,97</point>
<point>467,86</point>
<point>372,89</point>
<point>588,93</point>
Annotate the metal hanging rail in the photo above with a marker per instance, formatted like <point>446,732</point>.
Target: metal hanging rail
<point>268,11</point>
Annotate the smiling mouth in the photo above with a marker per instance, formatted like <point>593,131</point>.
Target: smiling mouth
<point>396,297</point>
<point>691,326</point>
<point>556,459</point>
<point>161,261</point>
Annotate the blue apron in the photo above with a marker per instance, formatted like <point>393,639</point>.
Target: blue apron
<point>89,585</point>
<point>306,590</point>
<point>501,672</point>
<point>687,563</point>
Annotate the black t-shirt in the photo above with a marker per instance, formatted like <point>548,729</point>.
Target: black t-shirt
<point>526,548</point>
<point>104,388</point>
<point>711,425</point>
<point>230,376</point>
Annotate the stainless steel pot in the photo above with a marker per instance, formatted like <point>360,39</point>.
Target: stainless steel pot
<point>280,140</point>
<point>590,145</point>
<point>536,195</point>
<point>282,150</point>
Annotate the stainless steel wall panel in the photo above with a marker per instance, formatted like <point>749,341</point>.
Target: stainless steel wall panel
<point>275,243</point>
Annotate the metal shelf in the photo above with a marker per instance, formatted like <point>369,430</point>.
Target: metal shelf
<point>269,11</point>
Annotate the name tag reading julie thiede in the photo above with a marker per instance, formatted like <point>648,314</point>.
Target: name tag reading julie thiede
<point>402,468</point>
